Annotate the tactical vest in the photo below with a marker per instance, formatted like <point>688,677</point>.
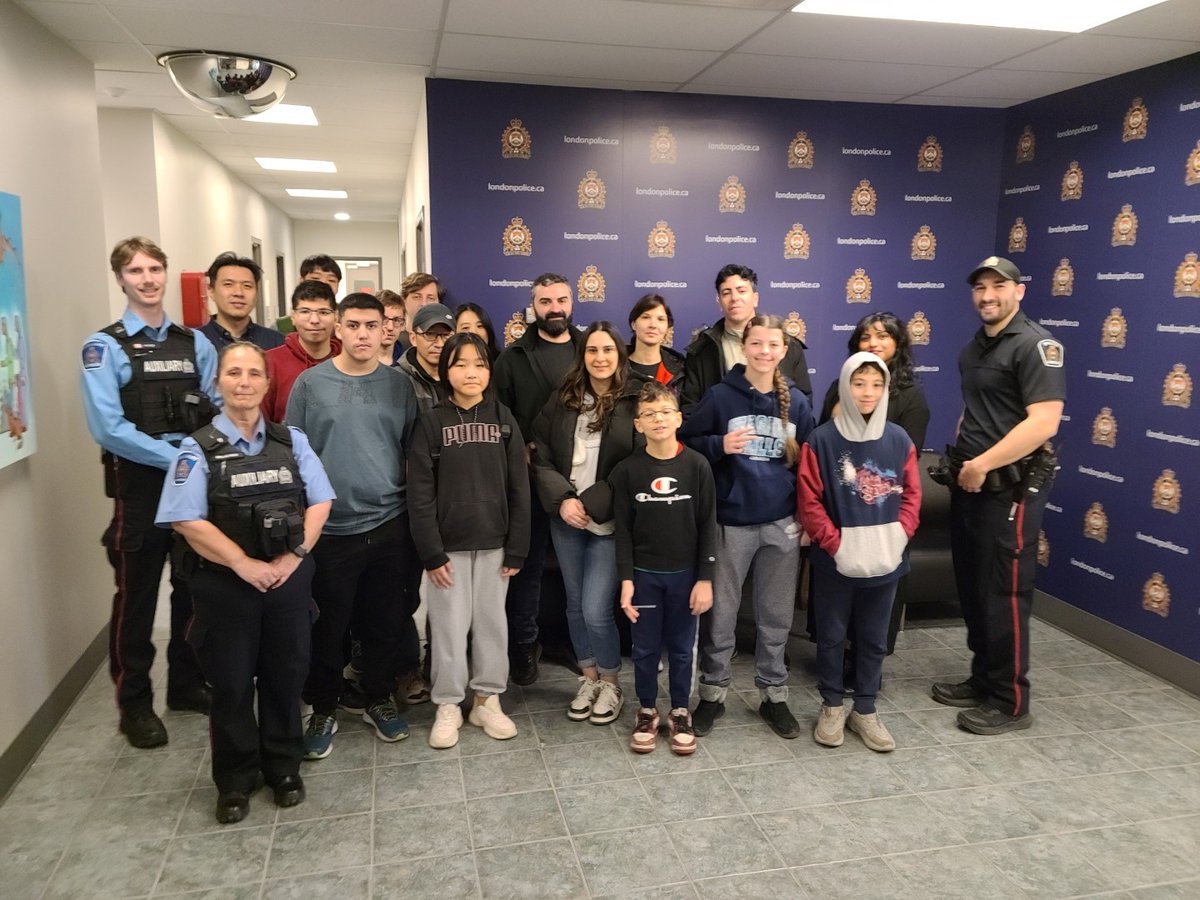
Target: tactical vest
<point>162,372</point>
<point>255,501</point>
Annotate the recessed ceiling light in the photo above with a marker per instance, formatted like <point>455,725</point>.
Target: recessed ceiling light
<point>286,114</point>
<point>278,164</point>
<point>319,194</point>
<point>1033,14</point>
<point>342,216</point>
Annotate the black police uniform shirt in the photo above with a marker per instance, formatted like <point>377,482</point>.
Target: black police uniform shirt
<point>1003,375</point>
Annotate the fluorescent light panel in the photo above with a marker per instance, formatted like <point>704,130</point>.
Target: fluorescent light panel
<point>278,164</point>
<point>1037,15</point>
<point>342,216</point>
<point>286,114</point>
<point>316,193</point>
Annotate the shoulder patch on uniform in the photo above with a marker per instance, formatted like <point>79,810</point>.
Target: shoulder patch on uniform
<point>1051,352</point>
<point>93,354</point>
<point>184,464</point>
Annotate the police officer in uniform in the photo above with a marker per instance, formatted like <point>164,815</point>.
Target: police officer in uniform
<point>250,497</point>
<point>1014,386</point>
<point>143,384</point>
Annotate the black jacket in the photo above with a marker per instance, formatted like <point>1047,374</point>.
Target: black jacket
<point>554,434</point>
<point>520,383</point>
<point>907,407</point>
<point>673,361</point>
<point>705,366</point>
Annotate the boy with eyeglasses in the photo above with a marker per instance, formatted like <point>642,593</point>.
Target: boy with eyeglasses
<point>664,504</point>
<point>311,343</point>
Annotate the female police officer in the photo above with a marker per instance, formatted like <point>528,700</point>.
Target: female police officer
<point>250,498</point>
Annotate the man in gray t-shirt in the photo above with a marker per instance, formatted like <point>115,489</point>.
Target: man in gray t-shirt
<point>357,414</point>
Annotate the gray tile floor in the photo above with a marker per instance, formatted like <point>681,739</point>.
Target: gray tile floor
<point>1100,797</point>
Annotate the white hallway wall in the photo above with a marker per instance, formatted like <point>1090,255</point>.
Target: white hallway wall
<point>343,240</point>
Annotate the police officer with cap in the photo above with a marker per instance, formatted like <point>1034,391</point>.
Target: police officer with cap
<point>250,497</point>
<point>143,382</point>
<point>1014,387</point>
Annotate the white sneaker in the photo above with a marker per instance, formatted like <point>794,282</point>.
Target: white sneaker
<point>491,718</point>
<point>607,705</point>
<point>444,734</point>
<point>873,732</point>
<point>831,726</point>
<point>581,706</point>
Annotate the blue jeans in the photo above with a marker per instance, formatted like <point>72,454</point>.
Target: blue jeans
<point>664,620</point>
<point>589,569</point>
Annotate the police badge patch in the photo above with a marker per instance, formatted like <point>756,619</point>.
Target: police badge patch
<point>661,242</point>
<point>1156,596</point>
<point>1115,329</point>
<point>1177,387</point>
<point>93,354</point>
<point>1018,235</point>
<point>1136,120</point>
<point>1124,229</point>
<point>515,142</point>
<point>1095,523</point>
<point>1063,283</point>
<point>862,199</point>
<point>801,152</point>
<point>590,287</point>
<point>732,197</point>
<point>929,157</point>
<point>1051,352</point>
<point>514,328</point>
<point>1187,277</point>
<point>924,244</point>
<point>1104,428</point>
<point>183,466</point>
<point>797,243</point>
<point>1193,166</point>
<point>1026,145</point>
<point>518,239</point>
<point>795,326</point>
<point>662,146</point>
<point>919,328</point>
<point>1072,182</point>
<point>591,191</point>
<point>1166,492</point>
<point>858,287</point>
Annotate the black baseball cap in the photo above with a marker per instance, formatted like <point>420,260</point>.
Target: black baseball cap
<point>432,315</point>
<point>1005,267</point>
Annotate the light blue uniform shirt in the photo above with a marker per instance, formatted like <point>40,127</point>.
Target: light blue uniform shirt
<point>185,490</point>
<point>106,369</point>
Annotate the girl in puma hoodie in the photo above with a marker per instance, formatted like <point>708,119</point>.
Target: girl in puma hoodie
<point>858,499</point>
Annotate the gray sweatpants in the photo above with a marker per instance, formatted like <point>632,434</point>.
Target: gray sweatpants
<point>473,604</point>
<point>772,552</point>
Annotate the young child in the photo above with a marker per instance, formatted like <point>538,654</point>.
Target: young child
<point>663,502</point>
<point>747,427</point>
<point>468,500</point>
<point>858,498</point>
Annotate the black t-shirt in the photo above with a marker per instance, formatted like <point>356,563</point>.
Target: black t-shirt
<point>665,512</point>
<point>554,359</point>
<point>650,370</point>
<point>1001,376</point>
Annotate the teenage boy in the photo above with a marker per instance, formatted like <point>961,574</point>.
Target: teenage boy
<point>311,342</point>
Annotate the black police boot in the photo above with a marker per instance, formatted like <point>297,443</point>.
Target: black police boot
<point>523,662</point>
<point>143,729</point>
<point>197,699</point>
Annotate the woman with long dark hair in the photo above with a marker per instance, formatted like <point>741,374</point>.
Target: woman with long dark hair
<point>474,318</point>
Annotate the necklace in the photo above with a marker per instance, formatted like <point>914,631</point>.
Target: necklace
<point>474,414</point>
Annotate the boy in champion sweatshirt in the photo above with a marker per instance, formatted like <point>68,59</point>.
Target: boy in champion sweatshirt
<point>858,499</point>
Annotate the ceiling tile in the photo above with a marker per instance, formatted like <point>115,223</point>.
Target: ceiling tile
<point>1174,20</point>
<point>766,72</point>
<point>1100,53</point>
<point>560,80</point>
<point>126,57</point>
<point>77,21</point>
<point>1009,83</point>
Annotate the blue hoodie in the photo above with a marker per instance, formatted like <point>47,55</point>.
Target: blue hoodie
<point>755,486</point>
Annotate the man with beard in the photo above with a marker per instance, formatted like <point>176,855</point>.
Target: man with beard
<point>527,373</point>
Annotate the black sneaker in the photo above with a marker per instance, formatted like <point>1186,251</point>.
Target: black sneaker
<point>143,729</point>
<point>706,713</point>
<point>523,663</point>
<point>989,720</point>
<point>353,700</point>
<point>776,714</point>
<point>961,694</point>
<point>198,699</point>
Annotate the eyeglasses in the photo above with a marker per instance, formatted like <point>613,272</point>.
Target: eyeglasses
<point>656,415</point>
<point>308,313</point>
<point>440,338</point>
<point>394,321</point>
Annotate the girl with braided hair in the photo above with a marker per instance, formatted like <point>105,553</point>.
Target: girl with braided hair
<point>749,427</point>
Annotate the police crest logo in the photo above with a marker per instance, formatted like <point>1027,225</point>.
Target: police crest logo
<point>669,340</point>
<point>514,328</point>
<point>1063,283</point>
<point>1095,523</point>
<point>1043,549</point>
<point>1193,166</point>
<point>516,142</point>
<point>1124,230</point>
<point>662,146</point>
<point>801,152</point>
<point>1115,329</point>
<point>797,243</point>
<point>1187,277</point>
<point>590,287</point>
<point>183,467</point>
<point>858,287</point>
<point>1177,387</point>
<point>518,239</point>
<point>1104,428</point>
<point>93,354</point>
<point>1156,596</point>
<point>862,199</point>
<point>929,157</point>
<point>591,191</point>
<point>661,242</point>
<point>1136,120</point>
<point>1051,352</point>
<point>732,197</point>
<point>1166,492</point>
<point>1072,182</point>
<point>924,244</point>
<point>1018,236</point>
<point>795,326</point>
<point>919,329</point>
<point>1026,144</point>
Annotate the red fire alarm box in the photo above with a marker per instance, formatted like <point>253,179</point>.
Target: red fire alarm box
<point>195,298</point>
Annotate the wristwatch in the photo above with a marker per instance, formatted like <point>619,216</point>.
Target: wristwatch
<point>301,551</point>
